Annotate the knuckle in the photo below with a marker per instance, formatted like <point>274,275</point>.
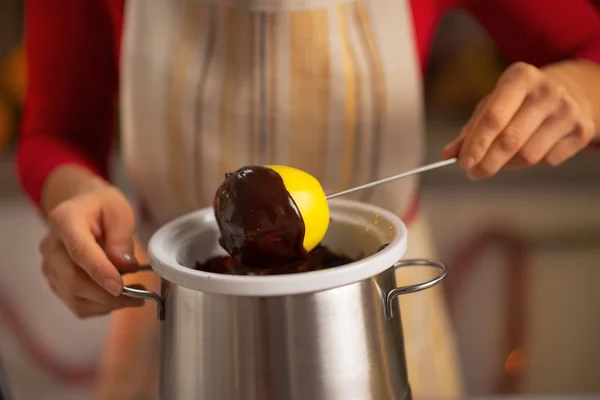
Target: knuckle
<point>60,214</point>
<point>117,303</point>
<point>486,170</point>
<point>79,309</point>
<point>570,111</point>
<point>510,140</point>
<point>530,157</point>
<point>557,91</point>
<point>44,245</point>
<point>76,249</point>
<point>519,66</point>
<point>113,194</point>
<point>479,147</point>
<point>54,289</point>
<point>522,69</point>
<point>592,129</point>
<point>474,152</point>
<point>46,268</point>
<point>579,132</point>
<point>78,252</point>
<point>70,278</point>
<point>94,272</point>
<point>480,105</point>
<point>48,245</point>
<point>551,92</point>
<point>554,160</point>
<point>493,118</point>
<point>586,130</point>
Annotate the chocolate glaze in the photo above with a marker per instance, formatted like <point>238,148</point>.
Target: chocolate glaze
<point>260,224</point>
<point>319,258</point>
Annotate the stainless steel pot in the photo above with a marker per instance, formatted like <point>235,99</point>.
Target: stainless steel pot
<point>324,335</point>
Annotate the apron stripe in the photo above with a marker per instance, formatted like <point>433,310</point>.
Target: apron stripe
<point>210,49</point>
<point>309,89</point>
<point>244,110</point>
<point>192,15</point>
<point>253,89</point>
<point>364,101</point>
<point>282,89</point>
<point>229,87</point>
<point>362,141</point>
<point>351,103</point>
<point>211,141</point>
<point>337,107</point>
<point>379,89</point>
<point>262,57</point>
<point>271,84</point>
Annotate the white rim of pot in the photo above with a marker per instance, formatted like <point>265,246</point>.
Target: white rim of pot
<point>164,260</point>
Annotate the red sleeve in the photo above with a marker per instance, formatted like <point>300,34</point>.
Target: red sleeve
<point>69,111</point>
<point>541,31</point>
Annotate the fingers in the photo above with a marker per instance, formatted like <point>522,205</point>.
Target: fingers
<point>528,119</point>
<point>84,308</point>
<point>552,144</point>
<point>566,148</point>
<point>82,286</point>
<point>83,249</point>
<point>510,93</point>
<point>118,226</point>
<point>78,291</point>
<point>52,279</point>
<point>76,266</point>
<point>544,138</point>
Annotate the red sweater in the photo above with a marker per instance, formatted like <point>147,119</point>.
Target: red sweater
<point>73,49</point>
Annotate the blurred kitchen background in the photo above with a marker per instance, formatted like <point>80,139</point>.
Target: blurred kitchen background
<point>524,249</point>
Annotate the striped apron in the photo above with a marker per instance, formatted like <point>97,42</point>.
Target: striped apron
<point>328,86</point>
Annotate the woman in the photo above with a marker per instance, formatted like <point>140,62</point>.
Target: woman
<point>329,86</point>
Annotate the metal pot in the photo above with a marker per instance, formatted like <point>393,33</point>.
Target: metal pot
<point>323,335</point>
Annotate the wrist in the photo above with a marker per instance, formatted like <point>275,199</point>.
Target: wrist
<point>66,182</point>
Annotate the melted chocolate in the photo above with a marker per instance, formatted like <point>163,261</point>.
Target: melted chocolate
<point>319,258</point>
<point>260,224</point>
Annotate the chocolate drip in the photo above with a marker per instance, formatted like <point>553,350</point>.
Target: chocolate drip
<point>260,224</point>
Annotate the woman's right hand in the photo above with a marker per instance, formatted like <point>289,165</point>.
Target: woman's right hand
<point>88,245</point>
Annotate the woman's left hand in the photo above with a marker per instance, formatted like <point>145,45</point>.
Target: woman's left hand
<point>529,118</point>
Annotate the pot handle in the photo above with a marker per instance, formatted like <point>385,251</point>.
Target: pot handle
<point>147,295</point>
<point>417,287</point>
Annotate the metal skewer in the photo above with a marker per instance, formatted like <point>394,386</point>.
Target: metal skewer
<point>394,177</point>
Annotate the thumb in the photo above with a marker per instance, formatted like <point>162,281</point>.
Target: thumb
<point>118,227</point>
